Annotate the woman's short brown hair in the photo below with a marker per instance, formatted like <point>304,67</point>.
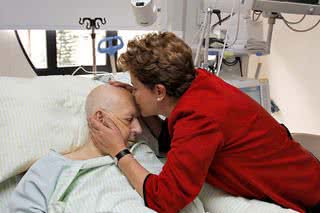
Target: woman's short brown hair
<point>160,58</point>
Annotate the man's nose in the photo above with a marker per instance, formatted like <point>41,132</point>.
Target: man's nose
<point>135,127</point>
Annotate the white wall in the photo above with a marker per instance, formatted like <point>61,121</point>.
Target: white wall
<point>12,59</point>
<point>293,69</point>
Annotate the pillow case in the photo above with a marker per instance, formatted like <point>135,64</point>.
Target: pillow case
<point>39,114</point>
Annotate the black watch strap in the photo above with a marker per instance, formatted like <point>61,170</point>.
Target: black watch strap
<point>121,154</point>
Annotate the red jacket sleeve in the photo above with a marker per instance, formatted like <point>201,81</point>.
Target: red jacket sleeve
<point>193,146</point>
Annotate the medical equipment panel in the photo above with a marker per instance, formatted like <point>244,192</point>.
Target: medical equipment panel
<point>308,7</point>
<point>256,89</point>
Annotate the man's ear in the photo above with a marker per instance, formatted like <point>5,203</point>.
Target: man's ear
<point>98,115</point>
<point>160,91</point>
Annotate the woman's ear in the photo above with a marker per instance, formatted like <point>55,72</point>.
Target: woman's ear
<point>160,91</point>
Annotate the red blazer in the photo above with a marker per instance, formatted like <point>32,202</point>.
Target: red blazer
<point>223,137</point>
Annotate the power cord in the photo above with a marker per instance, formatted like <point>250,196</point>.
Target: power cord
<point>86,71</point>
<point>299,30</point>
<point>293,22</point>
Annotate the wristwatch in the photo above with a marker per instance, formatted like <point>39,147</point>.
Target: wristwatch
<point>120,155</point>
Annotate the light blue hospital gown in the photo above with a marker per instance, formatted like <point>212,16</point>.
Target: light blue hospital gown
<point>57,184</point>
<point>33,192</point>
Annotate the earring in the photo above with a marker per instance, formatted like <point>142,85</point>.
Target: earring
<point>158,99</point>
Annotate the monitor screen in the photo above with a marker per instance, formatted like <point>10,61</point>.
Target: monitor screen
<point>256,89</point>
<point>253,92</point>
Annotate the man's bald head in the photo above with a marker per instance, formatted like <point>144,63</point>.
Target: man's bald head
<point>120,103</point>
<point>106,97</point>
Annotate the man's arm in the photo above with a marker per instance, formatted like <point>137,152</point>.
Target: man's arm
<point>33,191</point>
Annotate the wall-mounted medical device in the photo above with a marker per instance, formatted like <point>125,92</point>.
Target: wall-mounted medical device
<point>243,35</point>
<point>306,7</point>
<point>226,6</point>
<point>145,11</point>
<point>256,89</point>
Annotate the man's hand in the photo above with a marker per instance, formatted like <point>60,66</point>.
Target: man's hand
<point>106,136</point>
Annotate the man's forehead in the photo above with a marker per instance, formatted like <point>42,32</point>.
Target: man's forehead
<point>127,112</point>
<point>126,106</point>
<point>131,108</point>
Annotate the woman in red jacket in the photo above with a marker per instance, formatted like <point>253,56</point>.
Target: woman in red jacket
<point>217,135</point>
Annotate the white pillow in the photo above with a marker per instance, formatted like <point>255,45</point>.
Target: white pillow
<point>218,201</point>
<point>40,114</point>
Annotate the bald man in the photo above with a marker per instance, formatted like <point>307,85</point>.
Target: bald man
<point>120,106</point>
<point>37,189</point>
<point>85,180</point>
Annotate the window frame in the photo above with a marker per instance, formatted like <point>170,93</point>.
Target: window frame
<point>52,68</point>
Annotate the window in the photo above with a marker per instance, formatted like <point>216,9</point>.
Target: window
<point>74,47</point>
<point>34,42</point>
<point>61,52</point>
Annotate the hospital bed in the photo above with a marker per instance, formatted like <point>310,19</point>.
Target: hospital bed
<point>66,102</point>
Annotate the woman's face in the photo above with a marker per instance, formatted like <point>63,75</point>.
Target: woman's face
<point>145,98</point>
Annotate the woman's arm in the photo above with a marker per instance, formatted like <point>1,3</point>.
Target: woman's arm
<point>133,170</point>
<point>193,147</point>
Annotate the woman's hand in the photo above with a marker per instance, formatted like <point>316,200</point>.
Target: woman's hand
<point>106,135</point>
<point>121,84</point>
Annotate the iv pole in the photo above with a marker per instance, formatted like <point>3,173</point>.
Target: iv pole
<point>93,24</point>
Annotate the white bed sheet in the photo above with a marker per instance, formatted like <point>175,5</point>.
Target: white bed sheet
<point>218,201</point>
